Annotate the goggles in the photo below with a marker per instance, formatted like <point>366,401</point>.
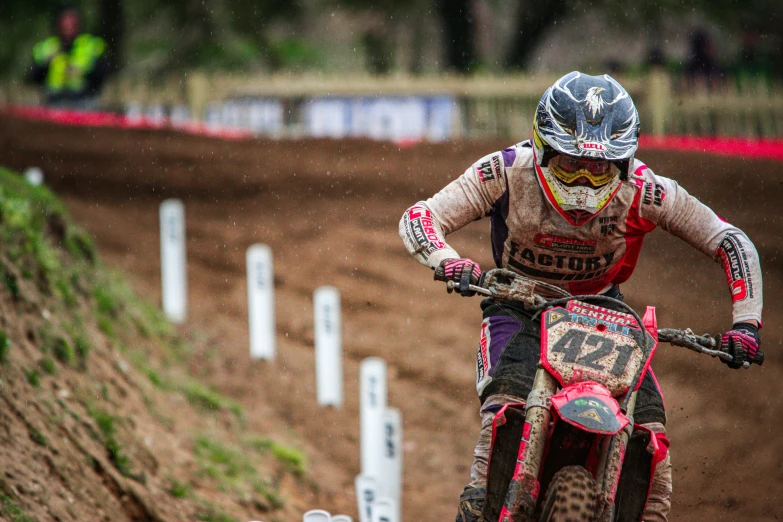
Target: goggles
<point>569,168</point>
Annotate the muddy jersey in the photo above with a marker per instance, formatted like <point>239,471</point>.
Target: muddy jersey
<point>531,235</point>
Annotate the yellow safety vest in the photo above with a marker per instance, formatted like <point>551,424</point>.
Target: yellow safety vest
<point>67,70</point>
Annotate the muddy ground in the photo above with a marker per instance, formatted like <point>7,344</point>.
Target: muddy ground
<point>329,210</point>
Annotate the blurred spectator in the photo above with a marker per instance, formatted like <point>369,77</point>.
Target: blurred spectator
<point>71,65</point>
<point>702,68</point>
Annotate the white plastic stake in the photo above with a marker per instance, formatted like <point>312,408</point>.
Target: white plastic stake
<point>328,346</point>
<point>317,515</point>
<point>390,481</point>
<point>372,405</point>
<point>383,510</point>
<point>341,518</point>
<point>34,176</point>
<point>261,302</point>
<point>365,496</point>
<point>172,260</point>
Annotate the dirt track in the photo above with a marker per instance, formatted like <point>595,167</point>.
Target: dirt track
<point>329,210</point>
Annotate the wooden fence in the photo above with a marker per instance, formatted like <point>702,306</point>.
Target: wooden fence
<point>488,106</point>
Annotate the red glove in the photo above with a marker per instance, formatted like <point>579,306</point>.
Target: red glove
<point>462,271</point>
<point>743,343</point>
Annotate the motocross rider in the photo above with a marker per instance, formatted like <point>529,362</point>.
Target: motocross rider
<point>571,207</point>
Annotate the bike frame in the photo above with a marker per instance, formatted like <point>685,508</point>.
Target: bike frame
<point>546,406</point>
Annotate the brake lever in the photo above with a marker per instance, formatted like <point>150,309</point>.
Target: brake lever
<point>451,286</point>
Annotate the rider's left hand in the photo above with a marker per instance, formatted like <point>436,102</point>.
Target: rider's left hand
<point>742,342</point>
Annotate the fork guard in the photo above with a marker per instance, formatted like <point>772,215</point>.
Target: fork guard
<point>591,407</point>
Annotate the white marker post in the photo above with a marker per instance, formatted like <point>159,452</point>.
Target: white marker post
<point>384,510</point>
<point>317,515</point>
<point>261,302</point>
<point>365,496</point>
<point>390,482</point>
<point>372,405</point>
<point>328,347</point>
<point>34,176</point>
<point>172,260</point>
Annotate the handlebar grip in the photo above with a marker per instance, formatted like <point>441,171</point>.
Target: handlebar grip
<point>440,274</point>
<point>758,358</point>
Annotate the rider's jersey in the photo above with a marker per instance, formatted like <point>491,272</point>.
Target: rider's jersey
<point>532,236</point>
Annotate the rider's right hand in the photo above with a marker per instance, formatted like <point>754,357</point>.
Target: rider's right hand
<point>743,343</point>
<point>462,271</point>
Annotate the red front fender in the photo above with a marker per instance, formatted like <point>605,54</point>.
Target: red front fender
<point>590,406</point>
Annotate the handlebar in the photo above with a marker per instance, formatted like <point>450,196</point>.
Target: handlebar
<point>503,284</point>
<point>703,344</point>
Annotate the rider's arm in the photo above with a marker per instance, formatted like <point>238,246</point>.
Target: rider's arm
<point>424,226</point>
<point>670,206</point>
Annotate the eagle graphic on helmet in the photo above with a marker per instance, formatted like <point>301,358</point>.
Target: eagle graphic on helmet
<point>594,102</point>
<point>585,117</point>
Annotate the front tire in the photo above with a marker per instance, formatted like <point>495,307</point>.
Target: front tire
<point>573,496</point>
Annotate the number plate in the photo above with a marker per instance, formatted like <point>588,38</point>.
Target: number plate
<point>579,347</point>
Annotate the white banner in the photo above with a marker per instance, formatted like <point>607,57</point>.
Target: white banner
<point>383,510</point>
<point>172,260</point>
<point>317,515</point>
<point>261,302</point>
<point>327,117</point>
<point>390,482</point>
<point>328,346</point>
<point>365,496</point>
<point>372,406</point>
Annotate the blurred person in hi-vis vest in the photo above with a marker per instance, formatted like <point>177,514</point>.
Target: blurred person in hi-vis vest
<point>70,65</point>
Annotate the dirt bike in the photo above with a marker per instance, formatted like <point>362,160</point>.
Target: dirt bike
<point>559,456</point>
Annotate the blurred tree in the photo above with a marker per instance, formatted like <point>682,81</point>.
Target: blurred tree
<point>378,39</point>
<point>154,35</point>
<point>457,17</point>
<point>112,29</point>
<point>533,18</point>
<point>757,21</point>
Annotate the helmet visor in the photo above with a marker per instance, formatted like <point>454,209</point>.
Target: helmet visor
<point>568,169</point>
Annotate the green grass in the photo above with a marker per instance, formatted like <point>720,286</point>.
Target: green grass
<point>211,513</point>
<point>37,437</point>
<point>79,244</point>
<point>179,489</point>
<point>230,468</point>
<point>43,250</point>
<point>107,425</point>
<point>12,285</point>
<point>208,399</point>
<point>33,377</point>
<point>293,459</point>
<point>64,352</point>
<point>83,347</point>
<point>5,347</point>
<point>48,366</point>
<point>13,512</point>
<point>221,462</point>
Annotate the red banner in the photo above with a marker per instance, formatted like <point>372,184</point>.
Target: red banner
<point>730,146</point>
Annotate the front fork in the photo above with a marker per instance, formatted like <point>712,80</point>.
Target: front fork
<point>523,490</point>
<point>610,463</point>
